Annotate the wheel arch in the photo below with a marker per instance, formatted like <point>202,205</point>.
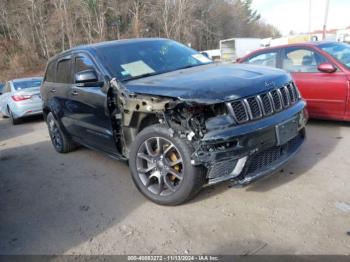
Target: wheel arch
<point>138,122</point>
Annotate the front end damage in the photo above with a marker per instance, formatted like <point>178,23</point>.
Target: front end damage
<point>228,150</point>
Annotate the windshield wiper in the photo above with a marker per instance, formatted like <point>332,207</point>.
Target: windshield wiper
<point>160,72</point>
<point>189,66</point>
<point>141,76</point>
<point>137,77</point>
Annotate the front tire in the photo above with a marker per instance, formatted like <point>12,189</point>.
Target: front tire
<point>60,141</point>
<point>161,167</point>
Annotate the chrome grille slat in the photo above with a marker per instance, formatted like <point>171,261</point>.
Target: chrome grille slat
<point>265,104</point>
<point>291,93</point>
<point>248,108</point>
<point>239,111</point>
<point>277,100</point>
<point>254,107</point>
<point>285,96</point>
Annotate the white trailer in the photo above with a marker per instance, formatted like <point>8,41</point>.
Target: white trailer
<point>234,48</point>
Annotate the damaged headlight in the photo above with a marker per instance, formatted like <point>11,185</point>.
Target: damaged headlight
<point>303,118</point>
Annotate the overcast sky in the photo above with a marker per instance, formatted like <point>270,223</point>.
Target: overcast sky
<point>289,15</point>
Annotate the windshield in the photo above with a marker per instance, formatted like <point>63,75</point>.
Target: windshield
<point>24,84</point>
<point>133,60</point>
<point>339,51</point>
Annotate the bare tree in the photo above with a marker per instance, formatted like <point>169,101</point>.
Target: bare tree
<point>33,30</point>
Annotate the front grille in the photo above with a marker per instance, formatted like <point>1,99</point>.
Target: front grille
<point>265,158</point>
<point>272,154</point>
<point>293,95</point>
<point>267,104</point>
<point>285,96</point>
<point>256,107</point>
<point>239,111</point>
<point>276,98</point>
<point>221,169</point>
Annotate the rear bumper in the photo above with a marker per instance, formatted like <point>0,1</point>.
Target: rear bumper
<point>248,152</point>
<point>22,110</point>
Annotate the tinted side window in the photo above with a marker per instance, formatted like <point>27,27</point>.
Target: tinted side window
<point>265,59</point>
<point>301,60</point>
<point>63,73</point>
<point>83,63</point>
<point>50,72</point>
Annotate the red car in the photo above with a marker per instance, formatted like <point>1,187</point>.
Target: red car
<point>321,71</point>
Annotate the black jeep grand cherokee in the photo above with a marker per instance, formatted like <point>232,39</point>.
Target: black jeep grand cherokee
<point>182,121</point>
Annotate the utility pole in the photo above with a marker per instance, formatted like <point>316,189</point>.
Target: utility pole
<point>325,20</point>
<point>309,25</point>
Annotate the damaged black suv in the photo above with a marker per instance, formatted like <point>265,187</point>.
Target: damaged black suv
<point>180,120</point>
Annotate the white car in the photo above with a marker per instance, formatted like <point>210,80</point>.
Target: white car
<point>21,98</point>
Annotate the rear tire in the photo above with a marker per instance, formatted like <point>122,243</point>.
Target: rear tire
<point>153,157</point>
<point>14,121</point>
<point>60,141</point>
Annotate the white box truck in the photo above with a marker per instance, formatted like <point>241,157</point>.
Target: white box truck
<point>234,48</point>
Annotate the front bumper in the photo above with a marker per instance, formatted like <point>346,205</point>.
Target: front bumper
<point>250,151</point>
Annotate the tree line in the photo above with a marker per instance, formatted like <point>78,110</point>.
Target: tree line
<point>31,31</point>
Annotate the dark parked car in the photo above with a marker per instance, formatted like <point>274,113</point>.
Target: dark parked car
<point>1,87</point>
<point>180,120</point>
<point>321,71</point>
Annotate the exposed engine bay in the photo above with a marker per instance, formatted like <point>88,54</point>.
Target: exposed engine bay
<point>186,119</point>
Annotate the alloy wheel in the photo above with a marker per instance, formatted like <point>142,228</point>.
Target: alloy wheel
<point>160,166</point>
<point>55,134</point>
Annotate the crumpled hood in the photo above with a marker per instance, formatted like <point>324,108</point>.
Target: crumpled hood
<point>211,83</point>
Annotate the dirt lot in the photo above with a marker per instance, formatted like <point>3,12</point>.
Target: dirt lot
<point>85,203</point>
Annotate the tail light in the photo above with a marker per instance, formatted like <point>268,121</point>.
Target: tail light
<point>21,97</point>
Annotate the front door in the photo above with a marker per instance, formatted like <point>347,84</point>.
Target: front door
<point>325,93</point>
<point>88,109</point>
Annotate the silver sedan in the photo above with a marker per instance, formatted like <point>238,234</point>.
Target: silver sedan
<point>21,98</point>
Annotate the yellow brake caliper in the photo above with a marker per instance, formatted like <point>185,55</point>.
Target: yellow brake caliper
<point>173,157</point>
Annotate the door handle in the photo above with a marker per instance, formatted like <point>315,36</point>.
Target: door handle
<point>53,90</point>
<point>74,93</point>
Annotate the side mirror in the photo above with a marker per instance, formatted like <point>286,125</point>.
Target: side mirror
<point>87,76</point>
<point>327,68</point>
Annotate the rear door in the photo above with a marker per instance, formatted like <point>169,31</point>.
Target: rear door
<point>88,108</point>
<point>265,58</point>
<point>58,91</point>
<point>325,93</point>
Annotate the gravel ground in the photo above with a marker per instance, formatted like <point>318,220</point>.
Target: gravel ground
<point>85,203</point>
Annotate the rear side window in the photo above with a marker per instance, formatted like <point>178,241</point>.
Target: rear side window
<point>50,72</point>
<point>63,73</point>
<point>83,63</point>
<point>265,59</point>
